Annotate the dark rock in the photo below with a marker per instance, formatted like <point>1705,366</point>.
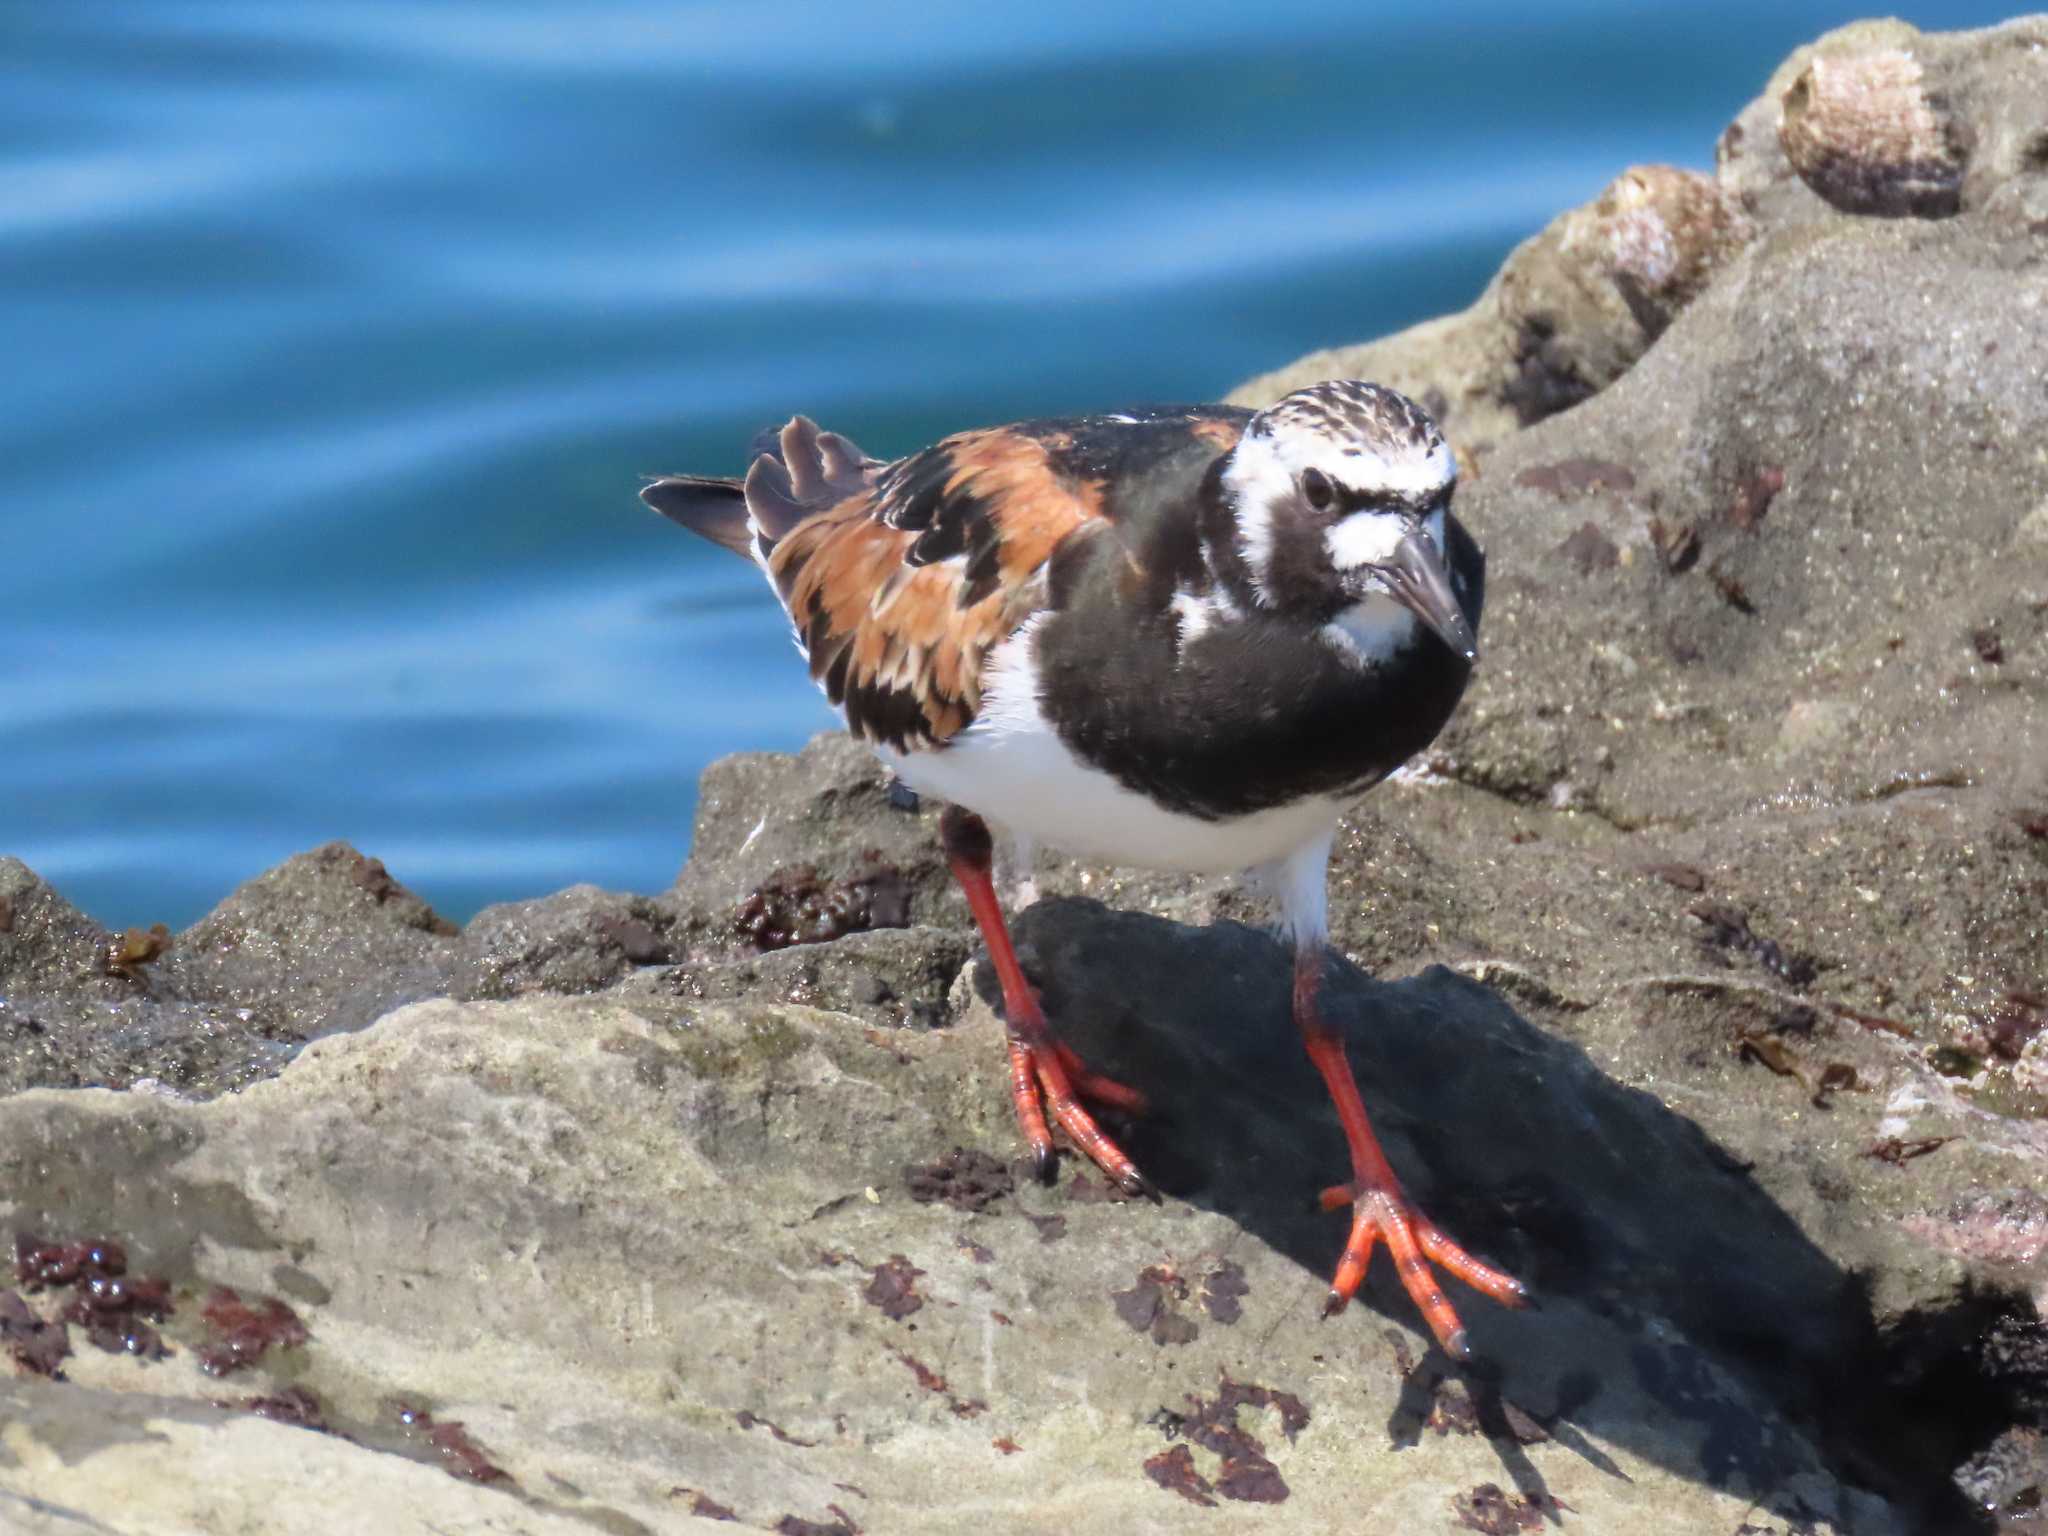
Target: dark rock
<point>46,945</point>
<point>579,940</point>
<point>897,977</point>
<point>763,816</point>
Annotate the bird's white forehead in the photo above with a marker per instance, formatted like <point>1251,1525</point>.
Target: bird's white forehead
<point>1415,474</point>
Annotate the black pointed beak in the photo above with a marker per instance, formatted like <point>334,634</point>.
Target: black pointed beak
<point>1421,583</point>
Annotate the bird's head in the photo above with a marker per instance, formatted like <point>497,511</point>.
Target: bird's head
<point>1339,494</point>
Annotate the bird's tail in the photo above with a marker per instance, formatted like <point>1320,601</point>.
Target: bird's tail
<point>795,473</point>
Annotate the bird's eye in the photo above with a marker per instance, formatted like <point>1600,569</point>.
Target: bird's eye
<point>1316,489</point>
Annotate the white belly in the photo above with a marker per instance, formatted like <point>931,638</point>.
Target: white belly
<point>1010,768</point>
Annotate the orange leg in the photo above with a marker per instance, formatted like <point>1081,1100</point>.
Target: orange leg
<point>1380,1210</point>
<point>1044,1075</point>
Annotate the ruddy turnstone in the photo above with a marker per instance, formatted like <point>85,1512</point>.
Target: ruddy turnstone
<point>1181,638</point>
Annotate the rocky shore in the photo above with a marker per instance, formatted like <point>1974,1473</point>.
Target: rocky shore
<point>1700,976</point>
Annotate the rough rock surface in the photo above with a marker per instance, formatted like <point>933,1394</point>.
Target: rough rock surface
<point>1708,990</point>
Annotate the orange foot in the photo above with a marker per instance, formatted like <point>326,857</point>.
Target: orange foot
<point>1382,1211</point>
<point>1050,1076</point>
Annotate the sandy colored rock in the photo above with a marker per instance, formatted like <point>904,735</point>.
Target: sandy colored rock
<point>634,1249</point>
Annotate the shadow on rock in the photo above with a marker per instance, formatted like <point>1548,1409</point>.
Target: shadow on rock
<point>1681,1312</point>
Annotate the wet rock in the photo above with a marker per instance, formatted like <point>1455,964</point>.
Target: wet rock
<point>327,940</point>
<point>826,810</point>
<point>580,940</point>
<point>46,944</point>
<point>897,977</point>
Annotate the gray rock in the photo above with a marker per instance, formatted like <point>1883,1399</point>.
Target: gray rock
<point>327,940</point>
<point>1737,856</point>
<point>579,940</point>
<point>1573,307</point>
<point>46,944</point>
<point>652,1254</point>
<point>827,809</point>
<point>902,977</point>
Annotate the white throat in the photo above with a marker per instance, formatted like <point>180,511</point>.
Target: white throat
<point>1371,633</point>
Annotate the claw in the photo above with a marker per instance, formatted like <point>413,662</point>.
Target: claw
<point>1379,1210</point>
<point>1058,1096</point>
<point>1383,1213</point>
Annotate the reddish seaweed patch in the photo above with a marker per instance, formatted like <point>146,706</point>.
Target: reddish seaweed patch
<point>1571,479</point>
<point>1083,1190</point>
<point>1247,1473</point>
<point>460,1456</point>
<point>1223,1291</point>
<point>931,1381</point>
<point>294,1405</point>
<point>1495,1513</point>
<point>1174,1470</point>
<point>841,1525</point>
<point>1899,1152</point>
<point>242,1334</point>
<point>966,1179</point>
<point>892,1287</point>
<point>1590,550</point>
<point>746,1419</point>
<point>2012,1022</point>
<point>1727,927</point>
<point>702,1505</point>
<point>800,906</point>
<point>36,1346</point>
<point>39,1263</point>
<point>1152,1306</point>
<point>108,1302</point>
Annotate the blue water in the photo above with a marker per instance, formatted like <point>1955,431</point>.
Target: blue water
<point>338,335</point>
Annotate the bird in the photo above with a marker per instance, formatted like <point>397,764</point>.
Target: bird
<point>1180,637</point>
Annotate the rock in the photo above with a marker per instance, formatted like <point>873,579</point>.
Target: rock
<point>1875,118</point>
<point>1880,119</point>
<point>169,1463</point>
<point>900,977</point>
<point>45,942</point>
<point>1814,723</point>
<point>2033,528</point>
<point>1860,131</point>
<point>1571,309</point>
<point>327,940</point>
<point>579,940</point>
<point>631,1250</point>
<point>1712,965</point>
<point>827,810</point>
